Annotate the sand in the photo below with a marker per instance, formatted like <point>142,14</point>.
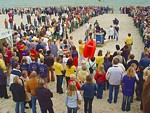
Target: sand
<point>99,106</point>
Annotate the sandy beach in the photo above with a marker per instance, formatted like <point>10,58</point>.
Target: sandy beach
<point>99,106</point>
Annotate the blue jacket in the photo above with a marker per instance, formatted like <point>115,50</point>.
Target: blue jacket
<point>89,90</point>
<point>128,85</point>
<point>24,67</point>
<point>43,71</point>
<point>145,62</point>
<point>34,66</point>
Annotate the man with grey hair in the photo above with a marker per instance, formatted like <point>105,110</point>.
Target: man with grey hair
<point>114,76</point>
<point>81,76</point>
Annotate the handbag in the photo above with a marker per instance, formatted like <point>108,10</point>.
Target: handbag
<point>78,101</point>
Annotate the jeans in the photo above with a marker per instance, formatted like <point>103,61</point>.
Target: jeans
<point>72,110</point>
<point>59,83</point>
<point>21,104</point>
<point>49,110</point>
<point>88,105</point>
<point>86,38</point>
<point>67,79</point>
<point>100,89</point>
<point>126,103</point>
<point>111,87</point>
<point>33,99</point>
<point>11,25</point>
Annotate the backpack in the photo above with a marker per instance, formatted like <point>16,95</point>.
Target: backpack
<point>91,68</point>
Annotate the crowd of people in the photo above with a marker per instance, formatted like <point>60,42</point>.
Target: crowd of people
<point>41,48</point>
<point>141,17</point>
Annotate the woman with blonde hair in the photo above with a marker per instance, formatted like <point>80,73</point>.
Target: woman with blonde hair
<point>71,97</point>
<point>24,78</point>
<point>100,78</point>
<point>18,93</point>
<point>128,88</point>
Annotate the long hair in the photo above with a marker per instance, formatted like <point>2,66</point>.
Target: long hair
<point>101,69</point>
<point>146,73</point>
<point>100,53</point>
<point>130,72</point>
<point>71,88</point>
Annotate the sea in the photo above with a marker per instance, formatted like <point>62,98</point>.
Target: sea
<point>44,3</point>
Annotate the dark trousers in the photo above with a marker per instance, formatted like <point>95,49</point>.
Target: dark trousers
<point>67,79</point>
<point>59,83</point>
<point>106,85</point>
<point>110,36</point>
<point>88,105</point>
<point>138,91</point>
<point>50,110</point>
<point>3,91</point>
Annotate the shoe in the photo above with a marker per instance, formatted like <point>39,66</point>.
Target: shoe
<point>78,107</point>
<point>7,97</point>
<point>108,101</point>
<point>60,92</point>
<point>115,102</point>
<point>26,107</point>
<point>122,109</point>
<point>127,110</point>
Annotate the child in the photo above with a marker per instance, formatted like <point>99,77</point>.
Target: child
<point>81,48</point>
<point>75,56</point>
<point>71,97</point>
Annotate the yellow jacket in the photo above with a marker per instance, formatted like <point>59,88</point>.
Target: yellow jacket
<point>3,66</point>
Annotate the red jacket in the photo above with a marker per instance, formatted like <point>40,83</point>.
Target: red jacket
<point>77,84</point>
<point>100,78</point>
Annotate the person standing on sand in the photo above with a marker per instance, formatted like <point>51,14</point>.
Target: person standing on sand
<point>128,88</point>
<point>110,32</point>
<point>11,22</point>
<point>3,78</point>
<point>6,24</point>
<point>87,32</point>
<point>31,86</point>
<point>129,41</point>
<point>89,89</point>
<point>44,96</point>
<point>114,75</point>
<point>71,97</point>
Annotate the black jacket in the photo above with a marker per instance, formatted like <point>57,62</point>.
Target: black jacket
<point>18,92</point>
<point>3,77</point>
<point>44,97</point>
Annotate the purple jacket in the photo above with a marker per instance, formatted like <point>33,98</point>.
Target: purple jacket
<point>128,85</point>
